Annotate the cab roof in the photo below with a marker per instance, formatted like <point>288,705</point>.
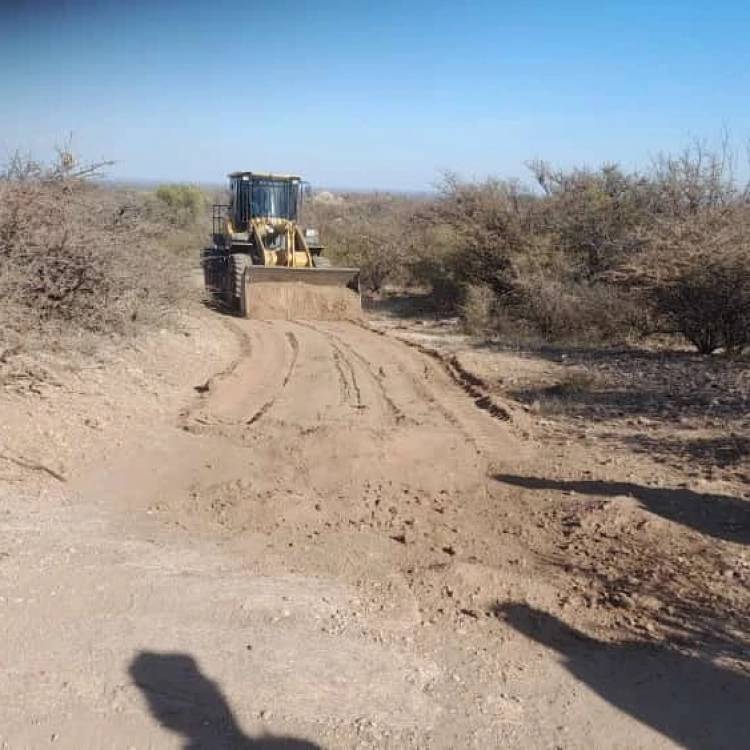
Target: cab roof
<point>265,176</point>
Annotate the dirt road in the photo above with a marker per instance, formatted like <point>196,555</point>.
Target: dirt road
<point>296,540</point>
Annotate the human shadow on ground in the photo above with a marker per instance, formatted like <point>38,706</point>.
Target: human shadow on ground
<point>697,704</point>
<point>720,516</point>
<point>182,699</point>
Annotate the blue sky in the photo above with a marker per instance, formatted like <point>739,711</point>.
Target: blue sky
<point>369,94</point>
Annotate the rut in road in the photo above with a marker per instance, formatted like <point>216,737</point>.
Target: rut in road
<point>394,384</point>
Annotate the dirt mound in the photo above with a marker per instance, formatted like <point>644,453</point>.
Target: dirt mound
<point>268,300</point>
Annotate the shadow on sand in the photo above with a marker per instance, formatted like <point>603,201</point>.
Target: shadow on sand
<point>697,704</point>
<point>183,700</point>
<point>720,516</point>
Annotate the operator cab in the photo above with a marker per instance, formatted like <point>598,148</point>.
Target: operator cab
<point>263,196</point>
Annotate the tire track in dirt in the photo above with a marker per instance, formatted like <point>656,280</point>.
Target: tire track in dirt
<point>343,382</point>
<point>446,385</point>
<point>338,343</point>
<point>418,383</point>
<point>474,386</point>
<point>429,397</point>
<point>348,386</point>
<point>340,360</point>
<point>294,346</point>
<point>246,351</point>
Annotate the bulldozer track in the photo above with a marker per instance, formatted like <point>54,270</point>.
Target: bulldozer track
<point>412,384</point>
<point>344,368</point>
<point>474,387</point>
<point>294,344</point>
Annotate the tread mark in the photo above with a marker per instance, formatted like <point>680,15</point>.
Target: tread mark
<point>397,414</point>
<point>294,345</point>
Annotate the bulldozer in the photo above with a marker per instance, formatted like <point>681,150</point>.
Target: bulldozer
<point>263,264</point>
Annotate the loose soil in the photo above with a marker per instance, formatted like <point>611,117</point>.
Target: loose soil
<point>250,534</point>
<point>302,301</point>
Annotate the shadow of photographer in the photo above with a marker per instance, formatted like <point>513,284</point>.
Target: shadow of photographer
<point>183,700</point>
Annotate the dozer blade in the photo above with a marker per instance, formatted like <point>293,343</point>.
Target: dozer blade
<point>275,293</point>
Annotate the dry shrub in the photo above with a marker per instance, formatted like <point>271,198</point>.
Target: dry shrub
<point>473,235</point>
<point>536,256</point>
<point>185,213</point>
<point>709,302</point>
<point>75,257</point>
<point>432,264</point>
<point>599,256</point>
<point>364,231</point>
<point>477,310</point>
<point>554,311</point>
<point>594,217</point>
<point>697,269</point>
<point>579,312</point>
<point>186,202</point>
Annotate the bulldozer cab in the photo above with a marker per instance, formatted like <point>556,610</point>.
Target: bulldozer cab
<point>263,196</point>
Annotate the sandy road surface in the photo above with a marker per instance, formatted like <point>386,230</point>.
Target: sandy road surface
<point>308,552</point>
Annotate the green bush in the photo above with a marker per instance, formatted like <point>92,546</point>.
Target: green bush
<point>181,204</point>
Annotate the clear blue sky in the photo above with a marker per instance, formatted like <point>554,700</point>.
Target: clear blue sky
<point>369,94</point>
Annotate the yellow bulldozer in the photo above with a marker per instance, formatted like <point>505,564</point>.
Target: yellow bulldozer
<point>263,264</point>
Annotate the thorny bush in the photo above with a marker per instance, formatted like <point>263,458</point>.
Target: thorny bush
<point>75,257</point>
